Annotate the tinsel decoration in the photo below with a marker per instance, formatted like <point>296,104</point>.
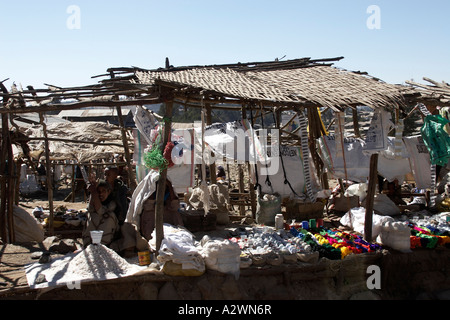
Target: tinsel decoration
<point>154,159</point>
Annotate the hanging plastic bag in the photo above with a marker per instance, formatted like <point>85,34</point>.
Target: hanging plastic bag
<point>436,139</point>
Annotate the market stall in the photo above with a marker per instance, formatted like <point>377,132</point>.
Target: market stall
<point>292,235</point>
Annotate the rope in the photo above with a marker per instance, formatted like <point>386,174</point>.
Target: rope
<point>286,181</point>
<point>267,182</point>
<point>257,185</point>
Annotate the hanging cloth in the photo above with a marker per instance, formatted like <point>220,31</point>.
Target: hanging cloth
<point>436,139</point>
<point>268,182</point>
<point>428,120</point>
<point>305,151</point>
<point>286,180</point>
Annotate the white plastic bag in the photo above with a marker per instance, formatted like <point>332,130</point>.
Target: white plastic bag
<point>358,189</point>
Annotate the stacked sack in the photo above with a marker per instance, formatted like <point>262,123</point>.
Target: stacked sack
<point>221,255</point>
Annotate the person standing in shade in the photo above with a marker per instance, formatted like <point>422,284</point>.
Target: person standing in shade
<point>119,192</point>
<point>101,212</point>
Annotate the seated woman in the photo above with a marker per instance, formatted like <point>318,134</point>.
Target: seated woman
<point>171,214</point>
<point>101,213</point>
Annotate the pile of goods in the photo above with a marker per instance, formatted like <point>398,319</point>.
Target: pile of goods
<point>430,232</point>
<point>94,263</point>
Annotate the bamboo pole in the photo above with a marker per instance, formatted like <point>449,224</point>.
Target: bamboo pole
<point>160,191</point>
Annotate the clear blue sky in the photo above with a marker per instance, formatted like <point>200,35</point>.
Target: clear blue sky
<point>37,47</point>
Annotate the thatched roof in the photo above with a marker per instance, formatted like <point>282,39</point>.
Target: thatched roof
<point>305,84</point>
<point>77,141</point>
<point>299,83</point>
<point>437,93</point>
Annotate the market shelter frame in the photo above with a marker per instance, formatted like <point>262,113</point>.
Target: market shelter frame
<point>298,85</point>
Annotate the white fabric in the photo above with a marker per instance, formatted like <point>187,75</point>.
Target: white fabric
<point>419,160</point>
<point>393,163</point>
<point>220,139</point>
<point>377,135</point>
<point>295,173</point>
<point>145,122</point>
<point>180,247</point>
<point>143,191</point>
<point>223,256</point>
<point>356,217</point>
<point>358,161</point>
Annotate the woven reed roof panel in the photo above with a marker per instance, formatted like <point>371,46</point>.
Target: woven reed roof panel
<point>318,85</point>
<point>437,92</point>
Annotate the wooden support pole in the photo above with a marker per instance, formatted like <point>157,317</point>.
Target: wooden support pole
<point>3,178</point>
<point>241,188</point>
<point>131,177</point>
<point>251,185</point>
<point>49,175</point>
<point>356,123</point>
<point>160,191</point>
<point>373,178</point>
<point>11,190</point>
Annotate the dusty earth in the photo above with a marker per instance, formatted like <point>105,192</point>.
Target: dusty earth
<point>422,274</point>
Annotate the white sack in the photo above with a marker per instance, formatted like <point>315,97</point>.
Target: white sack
<point>222,256</point>
<point>377,135</point>
<point>419,160</point>
<point>357,189</point>
<point>26,227</point>
<point>395,235</point>
<point>384,206</point>
<point>294,166</point>
<point>356,217</point>
<point>179,246</point>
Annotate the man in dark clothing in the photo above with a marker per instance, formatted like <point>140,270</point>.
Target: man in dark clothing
<point>119,192</point>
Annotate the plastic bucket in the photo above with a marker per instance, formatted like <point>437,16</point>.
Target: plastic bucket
<point>96,236</point>
<point>144,258</point>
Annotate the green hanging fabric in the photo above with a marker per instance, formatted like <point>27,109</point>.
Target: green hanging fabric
<point>436,139</point>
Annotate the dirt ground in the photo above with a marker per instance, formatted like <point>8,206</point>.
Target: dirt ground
<point>423,274</point>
